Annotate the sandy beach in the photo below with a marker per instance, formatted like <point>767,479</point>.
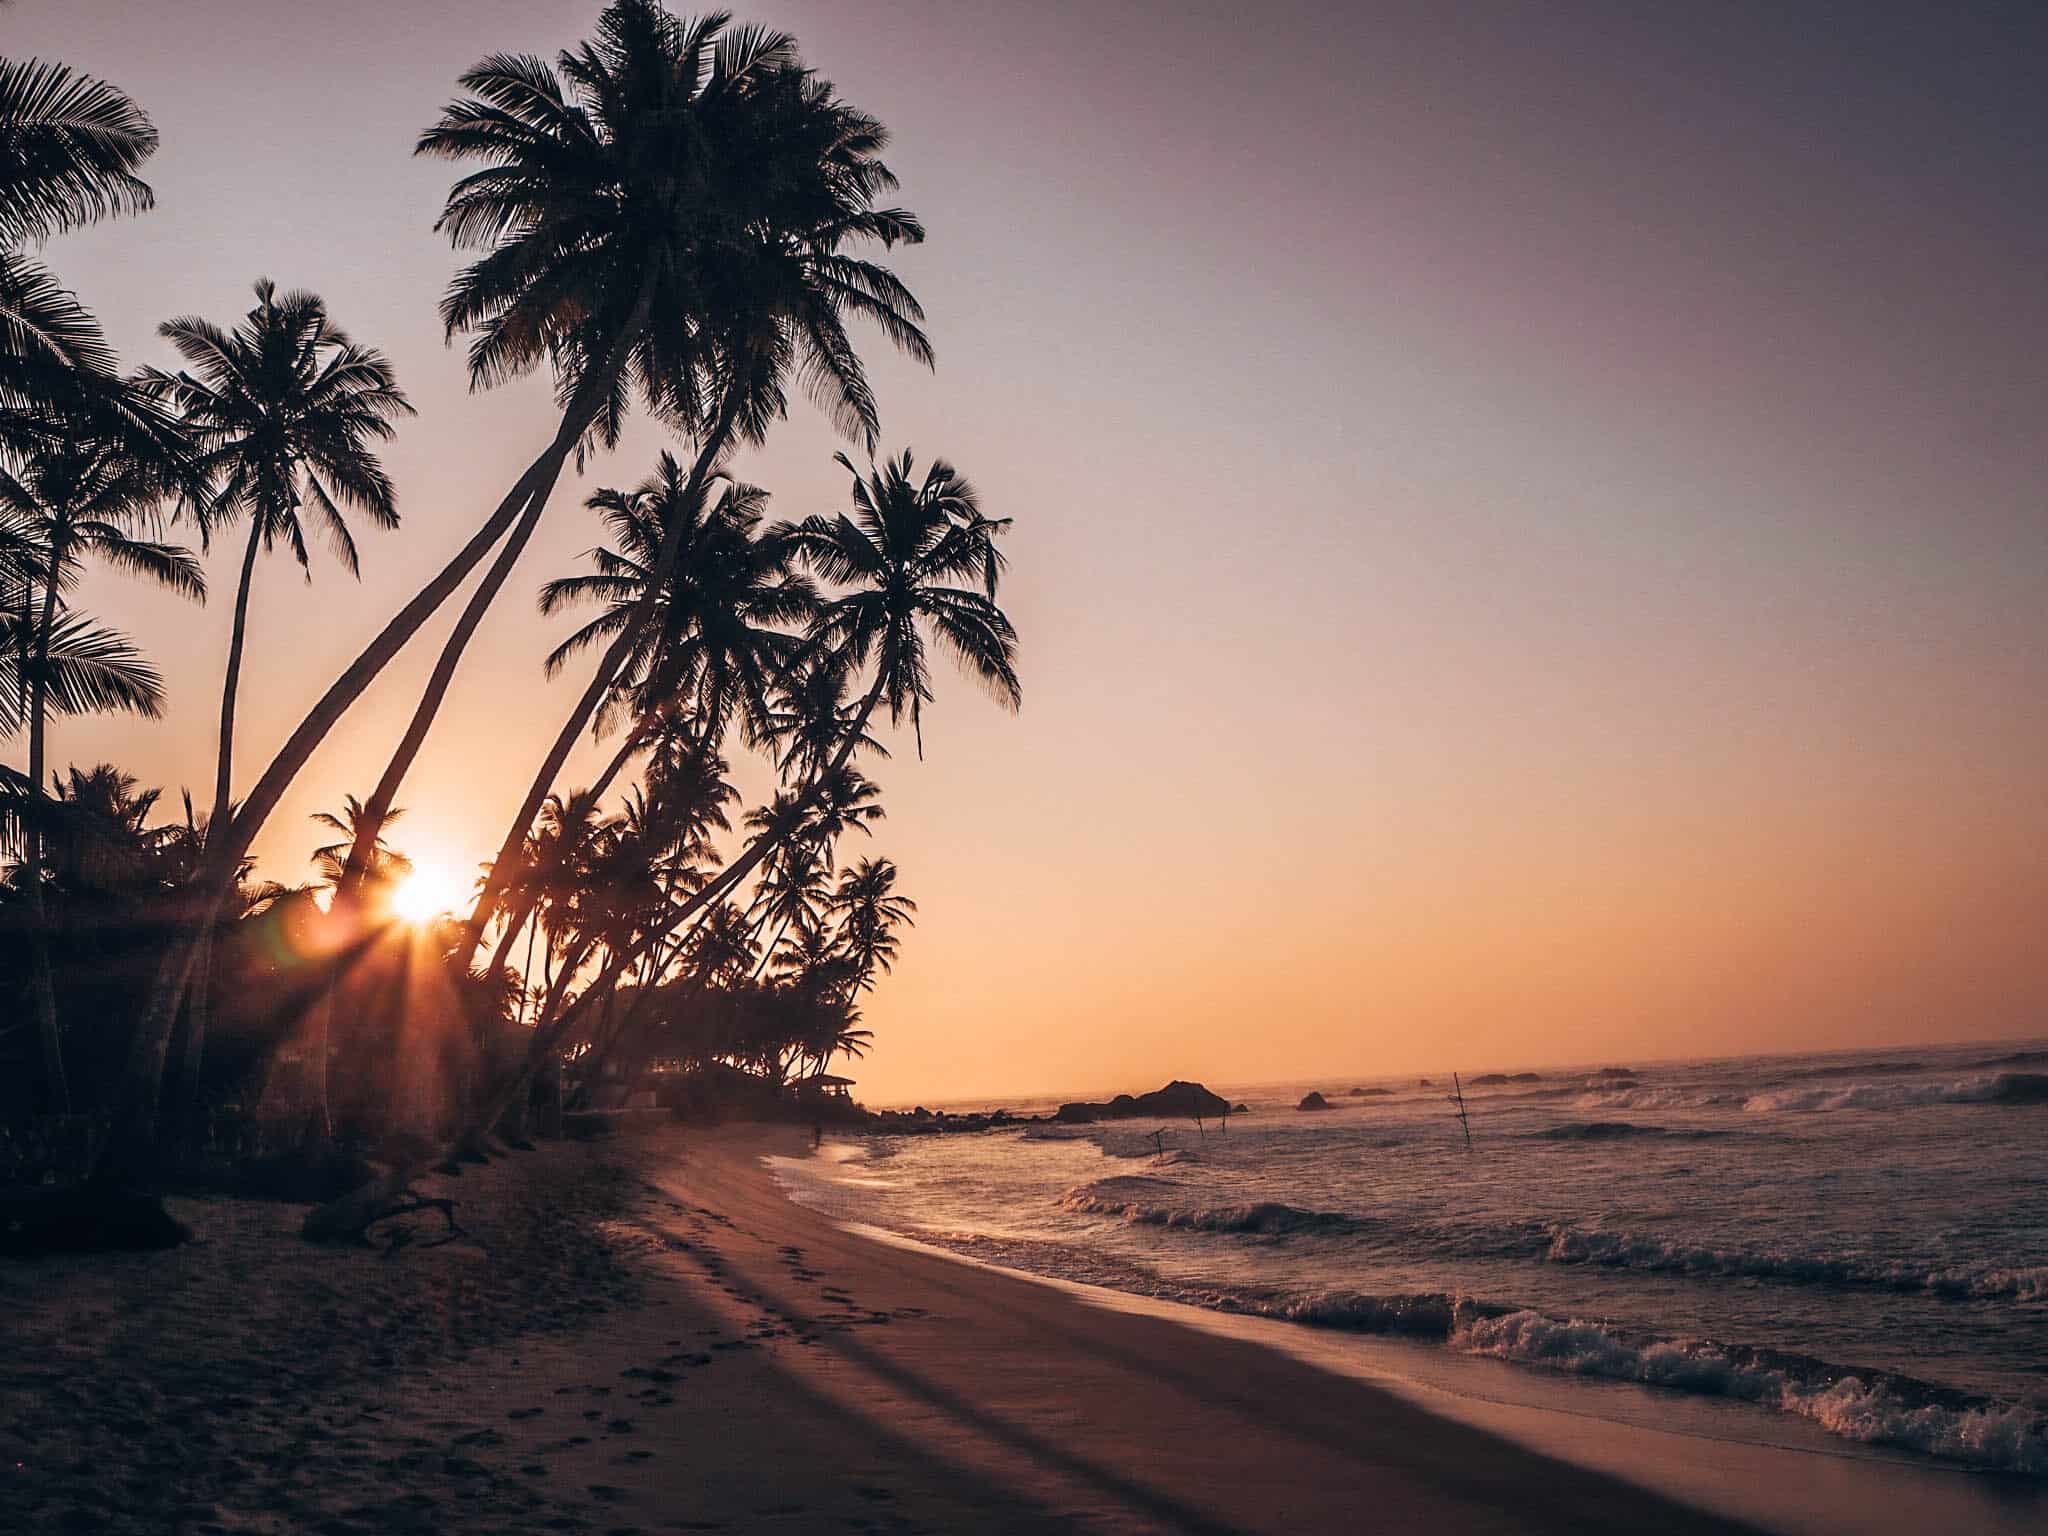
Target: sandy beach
<point>643,1334</point>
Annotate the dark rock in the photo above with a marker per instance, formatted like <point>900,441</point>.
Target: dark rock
<point>1614,1072</point>
<point>1525,1077</point>
<point>87,1218</point>
<point>1240,1109</point>
<point>1314,1101</point>
<point>1371,1093</point>
<point>1423,1082</point>
<point>1176,1101</point>
<point>1489,1080</point>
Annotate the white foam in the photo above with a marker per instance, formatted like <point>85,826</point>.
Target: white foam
<point>2008,1437</point>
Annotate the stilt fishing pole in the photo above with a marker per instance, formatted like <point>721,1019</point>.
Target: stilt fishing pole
<point>1464,1119</point>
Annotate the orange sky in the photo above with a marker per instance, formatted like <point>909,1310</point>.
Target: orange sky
<point>1529,533</point>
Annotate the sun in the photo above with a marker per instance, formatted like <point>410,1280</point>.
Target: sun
<point>427,893</point>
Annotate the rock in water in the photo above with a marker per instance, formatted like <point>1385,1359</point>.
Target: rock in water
<point>1313,1101</point>
<point>1176,1101</point>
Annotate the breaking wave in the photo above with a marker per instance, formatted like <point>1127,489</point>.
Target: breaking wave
<point>1873,1407</point>
<point>1627,1250</point>
<point>1138,1201</point>
<point>1980,1088</point>
<point>1989,1088</point>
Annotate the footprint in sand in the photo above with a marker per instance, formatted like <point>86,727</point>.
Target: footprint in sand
<point>518,1414</point>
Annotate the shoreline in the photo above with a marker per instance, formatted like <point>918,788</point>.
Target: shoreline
<point>647,1334</point>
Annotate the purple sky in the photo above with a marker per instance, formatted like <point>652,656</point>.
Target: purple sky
<point>1530,523</point>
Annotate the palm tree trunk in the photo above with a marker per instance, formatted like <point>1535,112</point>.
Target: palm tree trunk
<point>769,953</point>
<point>128,1149</point>
<point>56,1085</point>
<point>217,824</point>
<point>614,658</point>
<point>223,774</point>
<point>370,823</point>
<point>526,972</point>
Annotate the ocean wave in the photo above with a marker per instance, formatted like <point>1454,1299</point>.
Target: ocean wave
<point>1870,1407</point>
<point>1139,1201</point>
<point>1429,1314</point>
<point>1987,1088</point>
<point>1627,1250</point>
<point>2015,1059</point>
<point>1658,1098</point>
<point>1614,1130</point>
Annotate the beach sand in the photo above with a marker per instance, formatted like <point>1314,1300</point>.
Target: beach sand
<point>644,1335</point>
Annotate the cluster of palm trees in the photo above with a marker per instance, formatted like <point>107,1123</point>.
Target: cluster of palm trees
<point>669,216</point>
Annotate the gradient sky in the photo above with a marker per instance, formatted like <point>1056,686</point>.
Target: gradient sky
<point>1530,537</point>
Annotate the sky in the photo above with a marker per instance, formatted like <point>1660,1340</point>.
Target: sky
<point>1529,543</point>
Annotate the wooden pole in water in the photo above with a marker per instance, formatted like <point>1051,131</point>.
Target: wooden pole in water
<point>1463,1119</point>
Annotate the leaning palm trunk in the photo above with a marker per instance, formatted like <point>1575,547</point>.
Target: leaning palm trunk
<point>135,1124</point>
<point>622,647</point>
<point>370,823</point>
<point>55,1083</point>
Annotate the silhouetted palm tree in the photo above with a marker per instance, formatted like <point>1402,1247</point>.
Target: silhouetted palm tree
<point>285,409</point>
<point>69,502</point>
<point>898,553</point>
<point>711,650</point>
<point>388,865</point>
<point>665,211</point>
<point>672,221</point>
<point>69,149</point>
<point>795,188</point>
<point>869,912</point>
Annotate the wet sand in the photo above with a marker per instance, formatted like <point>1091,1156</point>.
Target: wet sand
<point>643,1335</point>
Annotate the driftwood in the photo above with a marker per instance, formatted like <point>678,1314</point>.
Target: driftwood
<point>349,1219</point>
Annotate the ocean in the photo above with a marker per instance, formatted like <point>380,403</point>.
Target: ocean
<point>1858,1241</point>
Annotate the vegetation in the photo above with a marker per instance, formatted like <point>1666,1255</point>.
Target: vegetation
<point>670,216</point>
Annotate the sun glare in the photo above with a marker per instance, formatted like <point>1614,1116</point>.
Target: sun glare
<point>425,894</point>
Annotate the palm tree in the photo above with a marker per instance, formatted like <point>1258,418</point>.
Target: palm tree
<point>700,168</point>
<point>898,551</point>
<point>671,221</point>
<point>388,866</point>
<point>285,409</point>
<point>710,650</point>
<point>784,287</point>
<point>70,501</point>
<point>897,554</point>
<point>709,654</point>
<point>869,913</point>
<point>69,149</point>
<point>794,892</point>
